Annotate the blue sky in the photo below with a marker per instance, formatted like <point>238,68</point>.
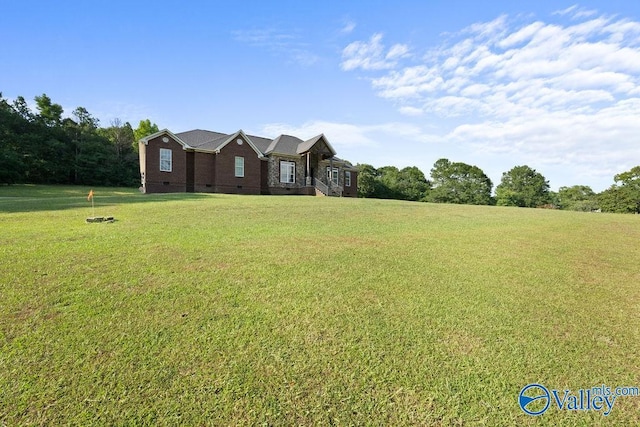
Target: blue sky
<point>554,85</point>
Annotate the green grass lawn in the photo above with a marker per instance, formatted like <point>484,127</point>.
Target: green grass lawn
<point>197,309</point>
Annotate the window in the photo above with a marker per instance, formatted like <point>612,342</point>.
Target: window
<point>166,163</point>
<point>332,176</point>
<point>239,167</point>
<point>347,178</point>
<point>287,172</point>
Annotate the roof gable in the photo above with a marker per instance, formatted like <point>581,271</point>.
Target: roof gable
<point>198,137</point>
<point>260,142</point>
<point>244,136</point>
<point>310,143</point>
<point>213,142</point>
<point>148,138</point>
<point>284,144</point>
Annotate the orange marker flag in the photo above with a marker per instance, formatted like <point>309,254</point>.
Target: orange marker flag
<point>90,196</point>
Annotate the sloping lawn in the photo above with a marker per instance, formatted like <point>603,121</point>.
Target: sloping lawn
<point>197,309</point>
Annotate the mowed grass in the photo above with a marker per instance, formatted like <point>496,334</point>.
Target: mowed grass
<point>196,309</point>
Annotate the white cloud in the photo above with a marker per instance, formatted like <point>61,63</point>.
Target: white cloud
<point>397,51</point>
<point>283,43</point>
<point>265,37</point>
<point>347,134</point>
<point>555,93</point>
<point>371,55</point>
<point>411,111</point>
<point>348,27</point>
<point>522,35</point>
<point>566,11</point>
<point>575,12</point>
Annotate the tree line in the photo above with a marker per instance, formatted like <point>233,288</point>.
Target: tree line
<point>456,182</point>
<point>42,147</point>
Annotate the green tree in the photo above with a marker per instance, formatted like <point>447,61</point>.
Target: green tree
<point>49,113</point>
<point>367,177</point>
<point>125,170</point>
<point>43,148</point>
<point>21,107</point>
<point>524,187</point>
<point>577,198</point>
<point>12,166</point>
<point>388,177</point>
<point>630,178</point>
<point>88,160</point>
<point>624,195</point>
<point>389,182</point>
<point>145,128</point>
<point>459,183</point>
<point>412,184</point>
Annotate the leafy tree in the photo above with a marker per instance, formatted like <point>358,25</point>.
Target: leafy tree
<point>367,176</point>
<point>125,166</point>
<point>121,136</point>
<point>577,198</point>
<point>145,128</point>
<point>624,196</point>
<point>21,107</point>
<point>389,182</point>
<point>459,183</point>
<point>412,184</point>
<point>523,187</point>
<point>630,178</point>
<point>50,113</point>
<point>12,167</point>
<point>86,121</point>
<point>388,177</point>
<point>43,148</point>
<point>88,159</point>
<point>619,199</point>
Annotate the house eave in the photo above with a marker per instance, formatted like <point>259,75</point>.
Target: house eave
<point>145,140</point>
<point>246,138</point>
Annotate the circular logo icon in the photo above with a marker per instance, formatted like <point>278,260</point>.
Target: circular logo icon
<point>534,399</point>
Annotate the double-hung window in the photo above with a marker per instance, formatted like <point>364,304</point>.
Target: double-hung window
<point>287,172</point>
<point>332,175</point>
<point>166,162</point>
<point>347,178</point>
<point>239,167</point>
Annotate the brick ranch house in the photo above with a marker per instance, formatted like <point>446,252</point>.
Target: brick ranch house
<point>211,162</point>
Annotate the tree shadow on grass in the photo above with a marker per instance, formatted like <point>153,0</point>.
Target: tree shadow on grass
<point>38,198</point>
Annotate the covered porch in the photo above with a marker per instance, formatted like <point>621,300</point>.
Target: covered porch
<point>321,171</point>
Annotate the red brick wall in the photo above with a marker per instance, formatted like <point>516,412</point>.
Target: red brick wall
<point>352,191</point>
<point>205,172</point>
<point>264,177</point>
<point>165,182</point>
<point>226,181</point>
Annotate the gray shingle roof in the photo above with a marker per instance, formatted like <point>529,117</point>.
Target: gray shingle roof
<point>283,144</point>
<point>308,144</point>
<point>198,137</point>
<point>261,143</point>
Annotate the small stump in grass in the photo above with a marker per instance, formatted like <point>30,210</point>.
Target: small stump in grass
<point>101,219</point>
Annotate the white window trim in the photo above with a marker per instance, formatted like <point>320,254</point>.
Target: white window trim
<point>347,178</point>
<point>330,176</point>
<point>290,167</point>
<point>240,165</point>
<point>164,161</point>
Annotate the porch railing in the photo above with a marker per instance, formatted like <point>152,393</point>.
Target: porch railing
<point>321,186</point>
<point>333,190</point>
